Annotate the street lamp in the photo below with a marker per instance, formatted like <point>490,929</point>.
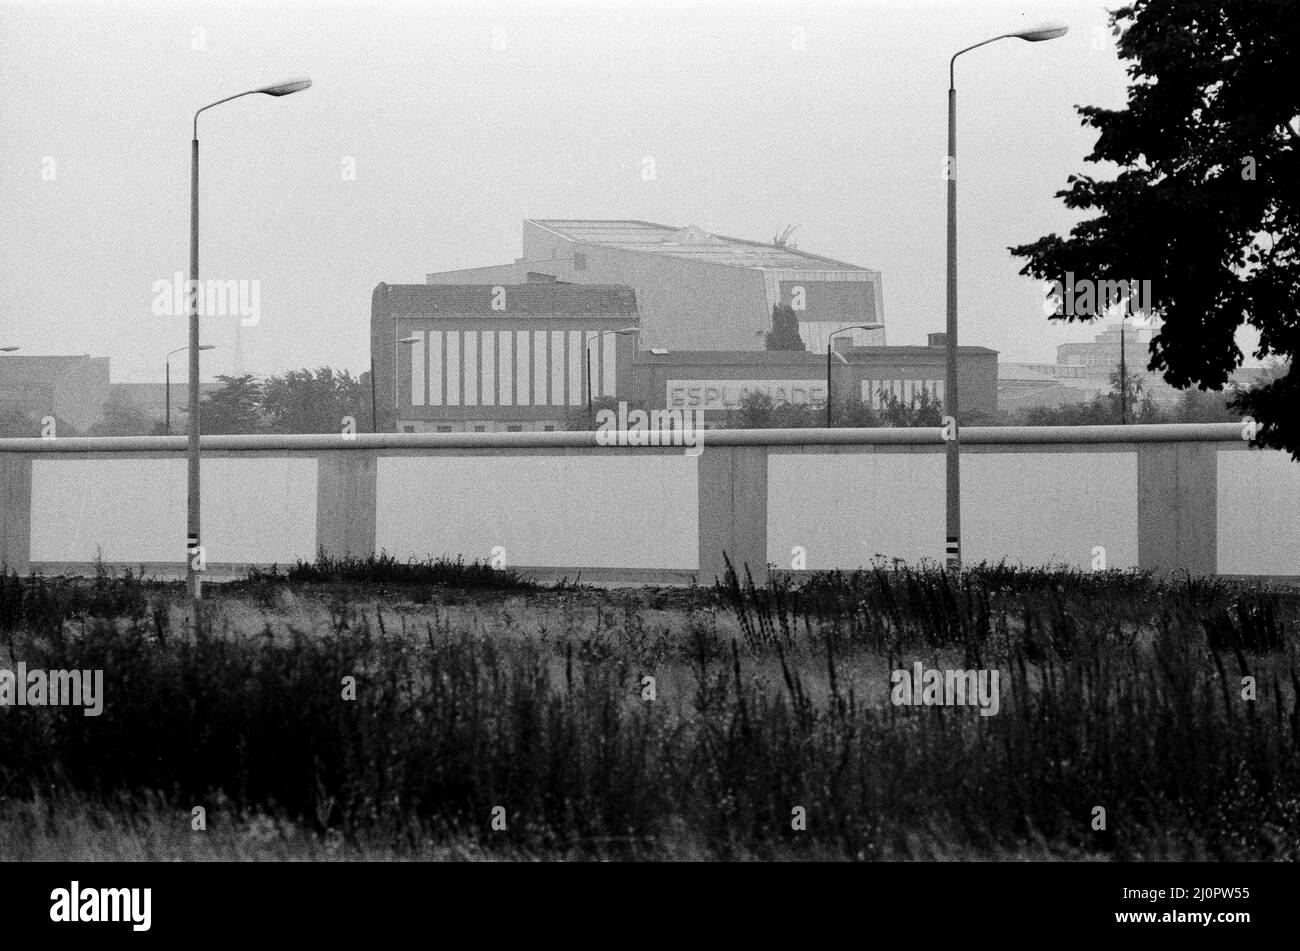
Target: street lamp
<point>1048,31</point>
<point>591,416</point>
<point>168,362</point>
<point>374,416</point>
<point>1123,375</point>
<point>192,489</point>
<point>829,341</point>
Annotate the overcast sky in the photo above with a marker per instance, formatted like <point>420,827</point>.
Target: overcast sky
<point>828,116</point>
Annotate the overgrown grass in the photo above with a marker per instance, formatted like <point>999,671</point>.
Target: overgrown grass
<point>1118,690</point>
<point>385,569</point>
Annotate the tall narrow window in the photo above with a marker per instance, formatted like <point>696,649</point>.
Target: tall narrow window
<point>435,367</point>
<point>489,368</point>
<point>453,368</point>
<point>471,368</point>
<point>522,366</point>
<point>417,357</point>
<point>557,367</point>
<point>607,364</point>
<point>505,342</point>
<point>576,397</point>
<point>539,368</point>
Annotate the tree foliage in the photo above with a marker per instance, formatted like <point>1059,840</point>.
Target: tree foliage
<point>314,401</point>
<point>1205,204</point>
<point>123,418</point>
<point>784,334</point>
<point>234,408</point>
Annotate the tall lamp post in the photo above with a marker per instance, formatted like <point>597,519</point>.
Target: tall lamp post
<point>591,416</point>
<point>192,540</point>
<point>168,397</point>
<point>1048,31</point>
<point>829,341</point>
<point>1123,376</point>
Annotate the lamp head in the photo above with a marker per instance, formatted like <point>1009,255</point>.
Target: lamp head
<point>1044,31</point>
<point>286,87</point>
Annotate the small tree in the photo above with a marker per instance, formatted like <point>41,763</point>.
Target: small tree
<point>784,334</point>
<point>853,412</point>
<point>923,410</point>
<point>233,409</point>
<point>16,424</point>
<point>307,401</point>
<point>1126,393</point>
<point>578,423</point>
<point>755,412</point>
<point>123,418</point>
<point>1203,406</point>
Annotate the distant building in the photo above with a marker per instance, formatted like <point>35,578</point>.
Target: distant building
<point>1083,371</point>
<point>75,390</point>
<point>150,399</point>
<point>502,357</point>
<point>497,357</point>
<point>72,389</point>
<point>1028,386</point>
<point>696,290</point>
<point>715,382</point>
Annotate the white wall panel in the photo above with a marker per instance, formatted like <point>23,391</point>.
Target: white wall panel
<point>1039,508</point>
<point>1258,513</point>
<point>255,510</point>
<point>845,508</point>
<point>546,511</point>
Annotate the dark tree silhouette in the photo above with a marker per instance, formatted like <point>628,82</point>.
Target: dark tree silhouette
<point>784,334</point>
<point>1205,205</point>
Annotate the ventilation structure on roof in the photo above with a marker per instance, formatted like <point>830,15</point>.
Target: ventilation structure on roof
<point>691,234</point>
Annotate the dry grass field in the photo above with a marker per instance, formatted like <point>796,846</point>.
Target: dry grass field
<point>373,710</point>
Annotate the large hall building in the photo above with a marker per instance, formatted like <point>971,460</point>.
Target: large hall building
<point>664,317</point>
<point>696,290</point>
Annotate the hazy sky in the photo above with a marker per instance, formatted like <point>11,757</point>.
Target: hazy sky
<point>828,116</point>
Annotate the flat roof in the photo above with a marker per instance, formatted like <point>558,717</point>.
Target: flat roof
<point>777,357</point>
<point>537,298</point>
<point>691,243</point>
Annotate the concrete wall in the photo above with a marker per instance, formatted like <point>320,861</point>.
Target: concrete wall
<point>1191,497</point>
